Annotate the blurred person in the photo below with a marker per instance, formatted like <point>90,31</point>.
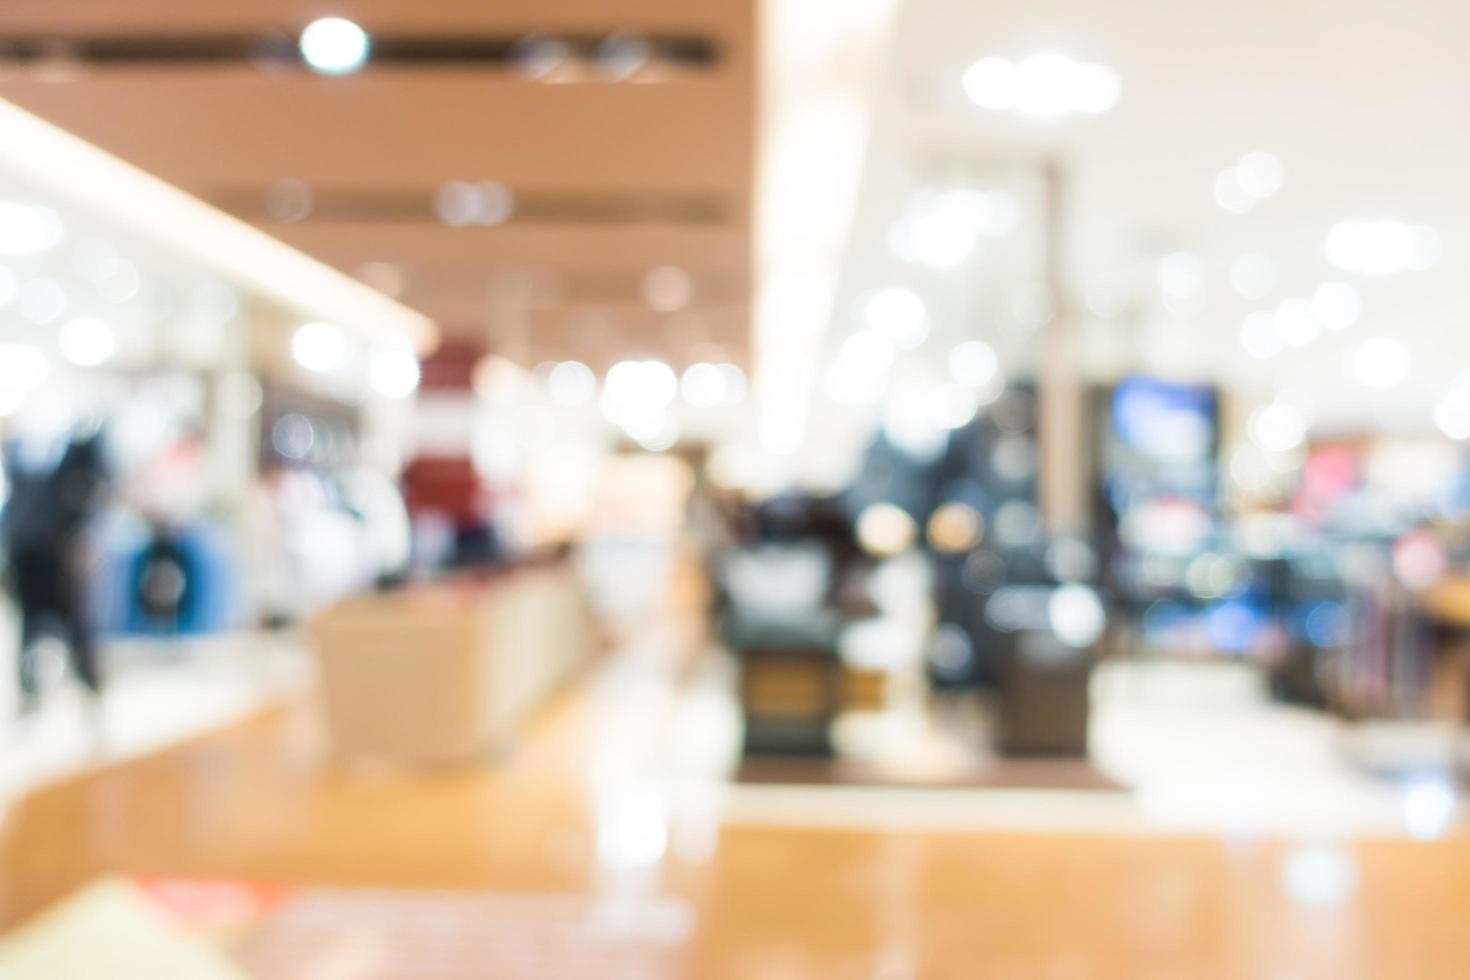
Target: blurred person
<point>55,490</point>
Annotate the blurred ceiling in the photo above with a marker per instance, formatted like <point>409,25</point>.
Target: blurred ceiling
<point>1362,103</point>
<point>619,133</point>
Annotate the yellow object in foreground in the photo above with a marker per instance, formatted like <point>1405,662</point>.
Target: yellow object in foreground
<point>107,931</point>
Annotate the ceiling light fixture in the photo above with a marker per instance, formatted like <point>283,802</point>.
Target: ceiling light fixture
<point>87,341</point>
<point>1381,362</point>
<point>26,229</point>
<point>1042,86</point>
<point>334,46</point>
<point>898,314</point>
<point>319,347</point>
<point>1382,247</point>
<point>571,384</point>
<point>393,368</point>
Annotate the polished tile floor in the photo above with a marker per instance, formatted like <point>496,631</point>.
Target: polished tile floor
<point>158,693</point>
<point>613,797</point>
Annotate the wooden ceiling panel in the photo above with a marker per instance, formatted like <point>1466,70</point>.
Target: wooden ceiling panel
<point>616,177</point>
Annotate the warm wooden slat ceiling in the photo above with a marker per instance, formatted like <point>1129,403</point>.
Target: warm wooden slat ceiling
<point>615,178</point>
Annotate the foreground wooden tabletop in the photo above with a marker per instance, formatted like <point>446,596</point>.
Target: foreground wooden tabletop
<point>261,801</point>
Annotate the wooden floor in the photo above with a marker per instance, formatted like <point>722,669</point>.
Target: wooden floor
<point>261,801</point>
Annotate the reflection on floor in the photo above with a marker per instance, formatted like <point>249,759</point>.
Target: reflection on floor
<point>620,795</point>
<point>157,695</point>
<point>1203,749</point>
<point>1206,749</point>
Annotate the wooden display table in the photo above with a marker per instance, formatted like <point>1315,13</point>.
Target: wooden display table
<point>445,672</point>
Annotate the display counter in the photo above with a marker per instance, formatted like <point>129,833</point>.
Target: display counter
<point>446,672</point>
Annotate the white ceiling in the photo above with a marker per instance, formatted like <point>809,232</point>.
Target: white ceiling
<point>1365,103</point>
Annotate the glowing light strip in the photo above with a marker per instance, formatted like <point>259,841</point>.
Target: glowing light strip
<point>95,181</point>
<point>820,59</point>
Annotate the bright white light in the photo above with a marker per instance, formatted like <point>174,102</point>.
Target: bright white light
<point>1076,615</point>
<point>704,385</point>
<point>658,381</point>
<point>1429,802</point>
<point>1229,195</point>
<point>635,395</point>
<point>1258,336</point>
<point>1046,84</point>
<point>1253,275</point>
<point>897,314</point>
<point>735,383</point>
<point>846,385</point>
<point>1095,88</point>
<point>952,405</point>
<point>1050,85</point>
<point>23,367</point>
<point>940,239</point>
<point>1336,305</point>
<point>1381,248</point>
<point>1319,875</point>
<point>1182,275</point>
<point>1260,174</point>
<point>867,352</point>
<point>973,364</point>
<point>393,368</point>
<point>87,341</point>
<point>1278,427</point>
<point>667,288</point>
<point>992,83</point>
<point>26,229</point>
<point>572,384</point>
<point>319,347</point>
<point>909,424</point>
<point>1452,413</point>
<point>9,286</point>
<point>1381,362</point>
<point>334,46</point>
<point>654,430</point>
<point>632,828</point>
<point>1295,325</point>
<point>664,439</point>
<point>1043,85</point>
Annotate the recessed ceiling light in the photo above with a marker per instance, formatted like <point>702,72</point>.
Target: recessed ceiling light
<point>393,368</point>
<point>1045,85</point>
<point>334,46</point>
<point>319,347</point>
<point>1382,247</point>
<point>897,314</point>
<point>1381,362</point>
<point>87,341</point>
